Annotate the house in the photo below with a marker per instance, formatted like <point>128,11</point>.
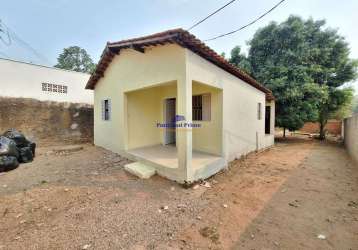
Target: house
<point>27,80</point>
<point>171,103</point>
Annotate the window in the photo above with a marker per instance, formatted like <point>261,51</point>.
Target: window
<point>106,109</point>
<point>49,87</point>
<point>201,110</point>
<point>197,108</point>
<point>259,112</point>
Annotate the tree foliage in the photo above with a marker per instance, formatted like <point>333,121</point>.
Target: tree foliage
<point>304,64</point>
<point>239,59</point>
<point>279,55</point>
<point>347,108</point>
<point>75,58</point>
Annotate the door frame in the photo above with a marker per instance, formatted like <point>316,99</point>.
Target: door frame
<point>165,131</point>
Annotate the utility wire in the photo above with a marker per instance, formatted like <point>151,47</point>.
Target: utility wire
<point>24,44</point>
<point>2,30</point>
<point>216,11</point>
<point>245,26</point>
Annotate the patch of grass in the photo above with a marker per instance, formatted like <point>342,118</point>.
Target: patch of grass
<point>211,233</point>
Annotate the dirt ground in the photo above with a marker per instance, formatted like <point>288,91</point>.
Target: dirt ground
<point>283,198</point>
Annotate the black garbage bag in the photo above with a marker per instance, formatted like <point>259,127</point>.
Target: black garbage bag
<point>32,145</point>
<point>25,154</point>
<point>17,137</point>
<point>8,163</point>
<point>8,147</point>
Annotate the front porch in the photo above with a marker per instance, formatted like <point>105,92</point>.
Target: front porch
<point>164,157</point>
<point>180,152</point>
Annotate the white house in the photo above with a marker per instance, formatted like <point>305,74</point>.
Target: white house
<point>20,79</point>
<point>175,106</point>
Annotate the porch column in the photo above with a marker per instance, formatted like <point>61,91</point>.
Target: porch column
<point>184,132</point>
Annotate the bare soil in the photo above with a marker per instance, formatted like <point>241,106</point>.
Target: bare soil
<point>283,198</point>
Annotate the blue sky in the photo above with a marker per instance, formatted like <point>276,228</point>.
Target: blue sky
<point>49,26</point>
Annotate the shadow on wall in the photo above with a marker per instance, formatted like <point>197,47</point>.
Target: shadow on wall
<point>47,122</point>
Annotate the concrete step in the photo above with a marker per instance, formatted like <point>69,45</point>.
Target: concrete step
<point>140,169</point>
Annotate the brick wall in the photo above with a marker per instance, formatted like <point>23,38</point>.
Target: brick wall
<point>333,127</point>
<point>47,122</point>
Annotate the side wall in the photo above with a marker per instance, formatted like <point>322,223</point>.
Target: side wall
<point>270,138</point>
<point>242,131</point>
<point>132,70</point>
<point>351,136</point>
<point>25,80</point>
<point>208,137</point>
<point>47,122</point>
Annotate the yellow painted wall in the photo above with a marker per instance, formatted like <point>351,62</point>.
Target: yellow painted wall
<point>131,70</point>
<point>208,138</point>
<point>240,123</point>
<point>232,131</point>
<point>145,109</point>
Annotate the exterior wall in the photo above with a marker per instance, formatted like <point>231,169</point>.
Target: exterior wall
<point>333,127</point>
<point>132,70</point>
<point>19,79</point>
<point>270,138</point>
<point>242,131</point>
<point>137,83</point>
<point>47,123</point>
<point>351,136</point>
<point>208,138</point>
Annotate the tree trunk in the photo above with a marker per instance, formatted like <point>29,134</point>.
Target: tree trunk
<point>284,132</point>
<point>322,132</point>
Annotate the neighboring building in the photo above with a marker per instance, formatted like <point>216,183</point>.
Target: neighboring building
<point>142,85</point>
<point>20,79</point>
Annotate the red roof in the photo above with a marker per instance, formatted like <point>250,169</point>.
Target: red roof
<point>180,37</point>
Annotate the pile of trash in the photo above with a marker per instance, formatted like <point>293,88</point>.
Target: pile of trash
<point>15,149</point>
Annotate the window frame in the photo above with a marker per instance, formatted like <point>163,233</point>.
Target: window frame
<point>201,109</point>
<point>106,109</point>
<point>259,111</point>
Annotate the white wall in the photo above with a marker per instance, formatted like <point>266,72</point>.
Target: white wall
<point>240,121</point>
<point>132,70</point>
<point>351,136</point>
<point>19,79</point>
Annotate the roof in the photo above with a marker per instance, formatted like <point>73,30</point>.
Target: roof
<point>177,36</point>
<point>43,66</point>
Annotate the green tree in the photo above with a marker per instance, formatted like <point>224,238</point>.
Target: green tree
<point>304,65</point>
<point>346,108</point>
<point>278,57</point>
<point>239,60</point>
<point>75,58</point>
<point>330,67</point>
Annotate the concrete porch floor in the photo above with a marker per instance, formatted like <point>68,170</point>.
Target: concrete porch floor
<point>166,156</point>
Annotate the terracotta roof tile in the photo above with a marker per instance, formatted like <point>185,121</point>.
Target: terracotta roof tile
<point>180,37</point>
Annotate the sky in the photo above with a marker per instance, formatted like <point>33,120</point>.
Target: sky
<point>49,26</point>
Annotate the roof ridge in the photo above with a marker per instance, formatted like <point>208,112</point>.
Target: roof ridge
<point>181,37</point>
<point>177,30</point>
